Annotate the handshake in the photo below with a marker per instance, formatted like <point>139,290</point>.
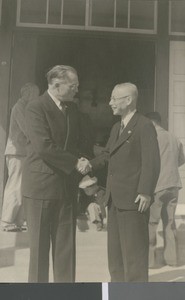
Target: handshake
<point>83,166</point>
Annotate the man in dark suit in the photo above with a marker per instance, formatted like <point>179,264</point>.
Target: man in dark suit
<point>133,167</point>
<point>50,176</point>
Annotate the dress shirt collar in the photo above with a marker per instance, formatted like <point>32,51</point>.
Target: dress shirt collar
<point>127,118</point>
<point>57,102</point>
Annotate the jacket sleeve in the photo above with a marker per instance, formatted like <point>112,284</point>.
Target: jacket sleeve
<point>40,137</point>
<point>181,157</point>
<point>150,160</point>
<point>20,117</point>
<point>102,160</point>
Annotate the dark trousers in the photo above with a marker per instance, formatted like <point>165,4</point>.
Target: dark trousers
<point>164,208</point>
<point>127,245</point>
<point>50,222</point>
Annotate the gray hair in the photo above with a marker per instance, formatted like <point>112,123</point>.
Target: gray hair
<point>29,91</point>
<point>132,88</point>
<point>60,72</point>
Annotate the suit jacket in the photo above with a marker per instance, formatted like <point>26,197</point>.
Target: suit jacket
<point>133,162</point>
<point>52,150</point>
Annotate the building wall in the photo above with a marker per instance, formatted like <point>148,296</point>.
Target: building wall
<point>23,63</point>
<point>20,51</point>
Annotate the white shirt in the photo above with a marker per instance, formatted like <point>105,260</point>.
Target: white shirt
<point>172,157</point>
<point>127,118</point>
<point>57,102</point>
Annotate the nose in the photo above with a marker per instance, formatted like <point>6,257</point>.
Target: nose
<point>75,88</point>
<point>110,102</point>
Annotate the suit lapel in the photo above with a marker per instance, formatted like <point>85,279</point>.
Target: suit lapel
<point>52,108</point>
<point>114,136</point>
<point>127,132</point>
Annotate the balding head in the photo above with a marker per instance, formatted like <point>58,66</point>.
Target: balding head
<point>129,88</point>
<point>124,98</point>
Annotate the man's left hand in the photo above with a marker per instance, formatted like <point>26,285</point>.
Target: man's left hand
<point>144,202</point>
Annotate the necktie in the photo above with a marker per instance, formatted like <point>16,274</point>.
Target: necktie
<point>62,107</point>
<point>121,128</point>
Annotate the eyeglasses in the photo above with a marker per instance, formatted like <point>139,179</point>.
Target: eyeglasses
<point>71,85</point>
<point>119,98</point>
<point>75,85</point>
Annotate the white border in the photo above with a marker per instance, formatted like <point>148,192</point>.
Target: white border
<point>105,291</point>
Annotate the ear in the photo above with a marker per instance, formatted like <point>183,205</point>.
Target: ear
<point>56,83</point>
<point>129,100</point>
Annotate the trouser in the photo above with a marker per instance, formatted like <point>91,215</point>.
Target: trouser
<point>127,245</point>
<point>51,221</point>
<point>12,210</point>
<point>164,207</point>
<point>94,212</point>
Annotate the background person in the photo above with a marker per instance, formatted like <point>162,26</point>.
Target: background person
<point>12,218</point>
<point>94,200</point>
<point>166,193</point>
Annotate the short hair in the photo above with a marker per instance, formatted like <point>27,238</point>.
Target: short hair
<point>60,72</point>
<point>154,116</point>
<point>28,90</point>
<point>27,87</point>
<point>132,87</point>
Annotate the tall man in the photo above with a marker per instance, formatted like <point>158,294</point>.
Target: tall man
<point>48,175</point>
<point>133,167</point>
<point>166,193</point>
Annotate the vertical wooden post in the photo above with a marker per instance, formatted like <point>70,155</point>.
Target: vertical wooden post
<point>6,38</point>
<point>6,41</point>
<point>162,62</point>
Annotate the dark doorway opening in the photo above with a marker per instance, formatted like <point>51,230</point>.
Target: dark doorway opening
<point>101,63</point>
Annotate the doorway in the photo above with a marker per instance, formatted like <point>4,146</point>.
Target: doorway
<point>101,63</point>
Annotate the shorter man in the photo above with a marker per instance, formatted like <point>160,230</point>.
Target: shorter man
<point>95,200</point>
<point>133,160</point>
<point>166,193</point>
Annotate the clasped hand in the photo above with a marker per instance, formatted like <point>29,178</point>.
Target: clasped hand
<point>83,166</point>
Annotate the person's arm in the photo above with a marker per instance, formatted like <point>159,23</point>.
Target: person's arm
<point>150,166</point>
<point>102,159</point>
<point>181,157</point>
<point>150,160</point>
<point>39,134</point>
<point>19,114</point>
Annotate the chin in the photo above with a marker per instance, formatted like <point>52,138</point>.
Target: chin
<point>114,112</point>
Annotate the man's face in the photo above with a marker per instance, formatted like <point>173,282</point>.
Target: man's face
<point>120,99</point>
<point>68,89</point>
